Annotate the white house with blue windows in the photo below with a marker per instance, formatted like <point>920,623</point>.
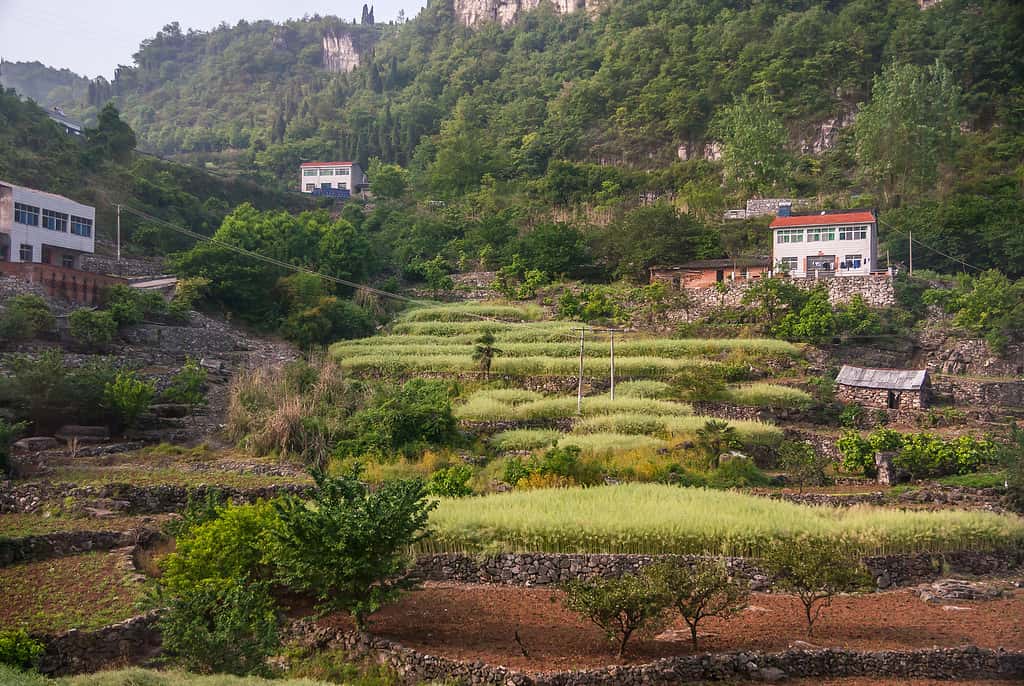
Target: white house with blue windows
<point>843,243</point>
<point>36,226</point>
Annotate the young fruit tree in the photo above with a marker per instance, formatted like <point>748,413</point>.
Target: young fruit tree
<point>620,607</point>
<point>815,571</point>
<point>348,546</point>
<point>701,590</point>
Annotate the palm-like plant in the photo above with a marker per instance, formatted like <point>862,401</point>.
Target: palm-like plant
<point>484,352</point>
<point>716,437</point>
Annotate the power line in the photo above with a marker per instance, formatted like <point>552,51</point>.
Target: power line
<point>928,247</point>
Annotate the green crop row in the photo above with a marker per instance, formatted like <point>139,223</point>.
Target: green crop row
<point>483,407</point>
<point>625,367</point>
<point>471,312</point>
<point>660,519</point>
<point>769,395</point>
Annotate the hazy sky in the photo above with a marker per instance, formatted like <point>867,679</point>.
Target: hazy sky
<point>92,37</point>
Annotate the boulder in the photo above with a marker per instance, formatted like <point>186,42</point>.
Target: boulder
<point>34,443</point>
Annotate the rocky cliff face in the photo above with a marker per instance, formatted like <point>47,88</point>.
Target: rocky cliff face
<point>339,53</point>
<point>476,12</point>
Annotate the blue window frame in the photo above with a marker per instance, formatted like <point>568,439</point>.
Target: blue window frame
<point>80,226</point>
<point>26,214</point>
<point>55,221</point>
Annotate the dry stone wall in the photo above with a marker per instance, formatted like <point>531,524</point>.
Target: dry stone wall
<point>28,548</point>
<point>77,651</point>
<point>543,569</point>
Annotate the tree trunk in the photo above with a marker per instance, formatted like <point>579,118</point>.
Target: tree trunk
<point>622,643</point>
<point>693,634</point>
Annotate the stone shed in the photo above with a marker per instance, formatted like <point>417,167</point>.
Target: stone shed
<point>891,389</point>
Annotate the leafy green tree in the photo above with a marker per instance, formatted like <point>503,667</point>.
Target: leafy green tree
<point>8,434</point>
<point>112,139</point>
<point>814,323</point>
<point>754,143</point>
<point>451,482</point>
<point>815,571</point>
<point>620,607</point>
<point>389,180</point>
<point>655,234</point>
<point>990,305</point>
<point>803,464</point>
<point>773,297</point>
<point>221,626</point>
<point>187,385</point>
<point>418,411</point>
<point>348,546</point>
<point>910,127</point>
<point>700,590</point>
<point>557,249</point>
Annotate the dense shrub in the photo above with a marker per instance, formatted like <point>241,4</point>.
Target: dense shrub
<point>451,482</point>
<point>223,625</point>
<point>593,303</point>
<point>229,546</point>
<point>127,397</point>
<point>186,385</point>
<point>92,328</point>
<point>24,317</point>
<point>559,466</point>
<point>8,434</point>
<point>348,547</point>
<point>804,465</point>
<point>921,455</point>
<point>402,417</point>
<point>45,390</point>
<point>738,472</point>
<point>130,306</point>
<point>18,650</point>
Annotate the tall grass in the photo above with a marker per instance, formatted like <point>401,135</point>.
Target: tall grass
<point>473,312</point>
<point>524,439</point>
<point>645,388</point>
<point>769,395</point>
<point>481,407</point>
<point>598,444</point>
<point>536,331</point>
<point>626,367</point>
<point>509,396</point>
<point>462,344</point>
<point>654,519</point>
<point>750,431</point>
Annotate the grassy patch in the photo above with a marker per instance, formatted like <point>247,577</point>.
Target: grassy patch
<point>645,388</point>
<point>651,518</point>
<point>20,525</point>
<point>485,408</point>
<point>141,475</point>
<point>80,591</point>
<point>524,439</point>
<point>607,443</point>
<point>978,480</point>
<point>473,312</point>
<point>769,395</point>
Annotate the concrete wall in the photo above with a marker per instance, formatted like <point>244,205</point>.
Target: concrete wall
<point>62,242</point>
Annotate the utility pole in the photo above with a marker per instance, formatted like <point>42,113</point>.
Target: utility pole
<point>613,364</point>
<point>579,386</point>
<point>119,234</point>
<point>910,247</point>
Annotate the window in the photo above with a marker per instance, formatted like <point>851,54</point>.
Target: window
<point>80,226</point>
<point>343,171</point>
<point>788,264</point>
<point>309,172</point>
<point>853,233</point>
<point>821,233</point>
<point>851,262</point>
<point>26,214</point>
<point>55,221</point>
<point>25,252</point>
<point>327,172</point>
<point>310,186</point>
<point>67,261</point>
<point>789,236</point>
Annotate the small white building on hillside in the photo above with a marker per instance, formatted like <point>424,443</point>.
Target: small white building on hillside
<point>41,227</point>
<point>328,178</point>
<point>843,243</point>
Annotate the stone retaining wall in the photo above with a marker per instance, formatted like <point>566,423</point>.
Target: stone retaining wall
<point>76,651</point>
<point>936,663</point>
<point>132,499</point>
<point>29,548</point>
<point>541,569</point>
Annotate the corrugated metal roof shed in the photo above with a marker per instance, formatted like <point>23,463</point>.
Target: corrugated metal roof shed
<point>887,379</point>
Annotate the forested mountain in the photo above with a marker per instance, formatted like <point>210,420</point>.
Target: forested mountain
<point>47,86</point>
<point>629,84</point>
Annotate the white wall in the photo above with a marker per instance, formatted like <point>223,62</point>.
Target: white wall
<point>38,236</point>
<point>866,247</point>
<point>351,180</point>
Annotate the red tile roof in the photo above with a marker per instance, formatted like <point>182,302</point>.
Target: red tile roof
<point>822,219</point>
<point>326,164</point>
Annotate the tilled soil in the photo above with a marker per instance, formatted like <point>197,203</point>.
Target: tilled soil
<point>477,622</point>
